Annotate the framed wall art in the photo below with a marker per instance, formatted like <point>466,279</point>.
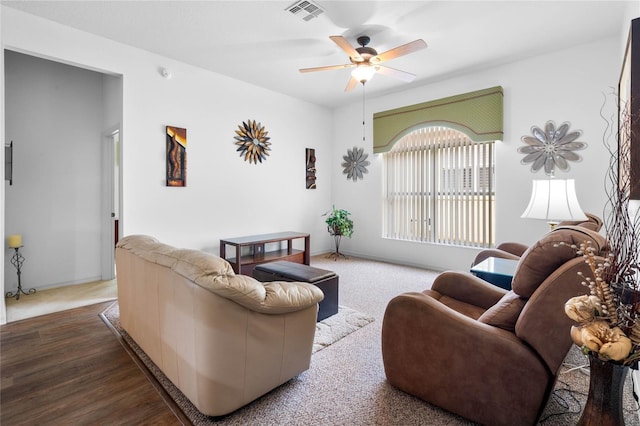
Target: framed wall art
<point>176,156</point>
<point>629,116</point>
<point>8,163</point>
<point>310,164</point>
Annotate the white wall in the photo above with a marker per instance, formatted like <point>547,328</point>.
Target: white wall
<point>54,118</point>
<point>225,196</point>
<point>561,86</point>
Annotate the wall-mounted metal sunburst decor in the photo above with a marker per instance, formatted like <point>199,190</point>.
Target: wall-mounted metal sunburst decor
<point>551,147</point>
<point>253,142</point>
<point>355,163</point>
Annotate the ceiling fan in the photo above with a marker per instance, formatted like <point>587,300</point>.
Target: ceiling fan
<point>367,60</point>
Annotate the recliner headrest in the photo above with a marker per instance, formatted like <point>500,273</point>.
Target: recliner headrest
<point>546,255</point>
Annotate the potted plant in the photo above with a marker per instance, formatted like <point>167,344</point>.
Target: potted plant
<point>338,224</point>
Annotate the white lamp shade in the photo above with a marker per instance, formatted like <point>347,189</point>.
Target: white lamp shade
<point>554,200</point>
<point>363,73</point>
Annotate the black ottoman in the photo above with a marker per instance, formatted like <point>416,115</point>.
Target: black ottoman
<point>327,281</point>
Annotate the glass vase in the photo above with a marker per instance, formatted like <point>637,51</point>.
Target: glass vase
<point>606,387</point>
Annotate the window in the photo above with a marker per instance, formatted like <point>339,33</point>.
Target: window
<point>439,187</point>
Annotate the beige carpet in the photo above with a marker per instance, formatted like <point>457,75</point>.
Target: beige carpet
<point>59,299</point>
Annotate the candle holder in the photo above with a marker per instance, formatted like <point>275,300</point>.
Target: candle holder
<point>17,260</point>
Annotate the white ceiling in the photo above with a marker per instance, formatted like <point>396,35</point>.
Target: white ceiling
<point>262,43</point>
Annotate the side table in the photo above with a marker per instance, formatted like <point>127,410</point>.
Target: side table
<point>496,270</point>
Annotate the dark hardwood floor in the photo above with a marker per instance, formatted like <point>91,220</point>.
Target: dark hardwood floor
<point>70,368</point>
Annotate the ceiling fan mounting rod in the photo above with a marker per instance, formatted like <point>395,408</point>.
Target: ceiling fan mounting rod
<point>363,40</point>
<point>365,52</point>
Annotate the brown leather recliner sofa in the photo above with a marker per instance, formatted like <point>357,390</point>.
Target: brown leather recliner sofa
<point>223,339</point>
<point>513,250</point>
<point>482,352</point>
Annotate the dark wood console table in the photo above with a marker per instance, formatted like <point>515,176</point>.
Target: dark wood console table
<point>251,251</point>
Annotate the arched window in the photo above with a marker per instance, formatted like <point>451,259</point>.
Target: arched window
<point>439,188</point>
<point>439,168</point>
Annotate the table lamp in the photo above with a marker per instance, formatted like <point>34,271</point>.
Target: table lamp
<point>554,200</point>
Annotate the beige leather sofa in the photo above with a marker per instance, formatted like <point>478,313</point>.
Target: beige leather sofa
<point>222,339</point>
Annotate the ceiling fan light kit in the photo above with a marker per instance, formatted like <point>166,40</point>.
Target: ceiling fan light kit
<point>366,60</point>
<point>363,72</point>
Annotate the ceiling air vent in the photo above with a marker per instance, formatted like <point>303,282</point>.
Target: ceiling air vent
<point>306,9</point>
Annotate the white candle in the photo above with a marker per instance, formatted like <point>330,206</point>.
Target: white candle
<point>15,241</point>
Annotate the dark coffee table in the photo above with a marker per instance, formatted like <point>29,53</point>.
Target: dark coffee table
<point>327,281</point>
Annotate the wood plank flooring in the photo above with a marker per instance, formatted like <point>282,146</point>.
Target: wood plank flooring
<point>69,368</point>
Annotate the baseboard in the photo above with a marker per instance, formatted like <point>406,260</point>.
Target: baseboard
<point>383,260</point>
<point>67,283</point>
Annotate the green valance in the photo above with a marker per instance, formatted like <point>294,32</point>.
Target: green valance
<point>476,114</point>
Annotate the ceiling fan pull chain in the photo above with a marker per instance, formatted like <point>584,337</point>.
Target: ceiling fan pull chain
<point>363,115</point>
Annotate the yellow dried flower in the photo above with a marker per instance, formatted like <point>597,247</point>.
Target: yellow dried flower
<point>583,308</point>
<point>594,335</point>
<point>618,348</point>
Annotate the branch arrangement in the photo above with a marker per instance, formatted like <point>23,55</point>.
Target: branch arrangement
<point>609,315</point>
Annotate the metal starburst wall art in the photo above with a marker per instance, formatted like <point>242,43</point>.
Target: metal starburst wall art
<point>253,142</point>
<point>551,148</point>
<point>355,163</point>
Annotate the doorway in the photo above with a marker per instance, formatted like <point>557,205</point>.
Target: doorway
<point>56,114</point>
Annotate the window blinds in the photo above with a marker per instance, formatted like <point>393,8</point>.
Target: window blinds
<point>439,188</point>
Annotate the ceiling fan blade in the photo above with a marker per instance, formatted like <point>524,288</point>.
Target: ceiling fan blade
<point>396,52</point>
<point>348,49</point>
<point>392,72</point>
<point>329,67</point>
<point>351,84</point>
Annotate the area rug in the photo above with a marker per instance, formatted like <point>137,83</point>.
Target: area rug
<point>335,327</point>
<point>328,331</point>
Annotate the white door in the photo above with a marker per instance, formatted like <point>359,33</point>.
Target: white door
<point>111,202</point>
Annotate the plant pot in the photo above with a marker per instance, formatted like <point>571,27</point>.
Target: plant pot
<point>604,401</point>
<point>337,238</point>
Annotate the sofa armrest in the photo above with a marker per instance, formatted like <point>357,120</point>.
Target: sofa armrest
<point>275,297</point>
<point>516,249</point>
<point>468,288</point>
<point>487,253</point>
<point>438,329</point>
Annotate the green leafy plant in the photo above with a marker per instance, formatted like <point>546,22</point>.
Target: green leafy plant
<point>338,225</point>
<point>338,222</point>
